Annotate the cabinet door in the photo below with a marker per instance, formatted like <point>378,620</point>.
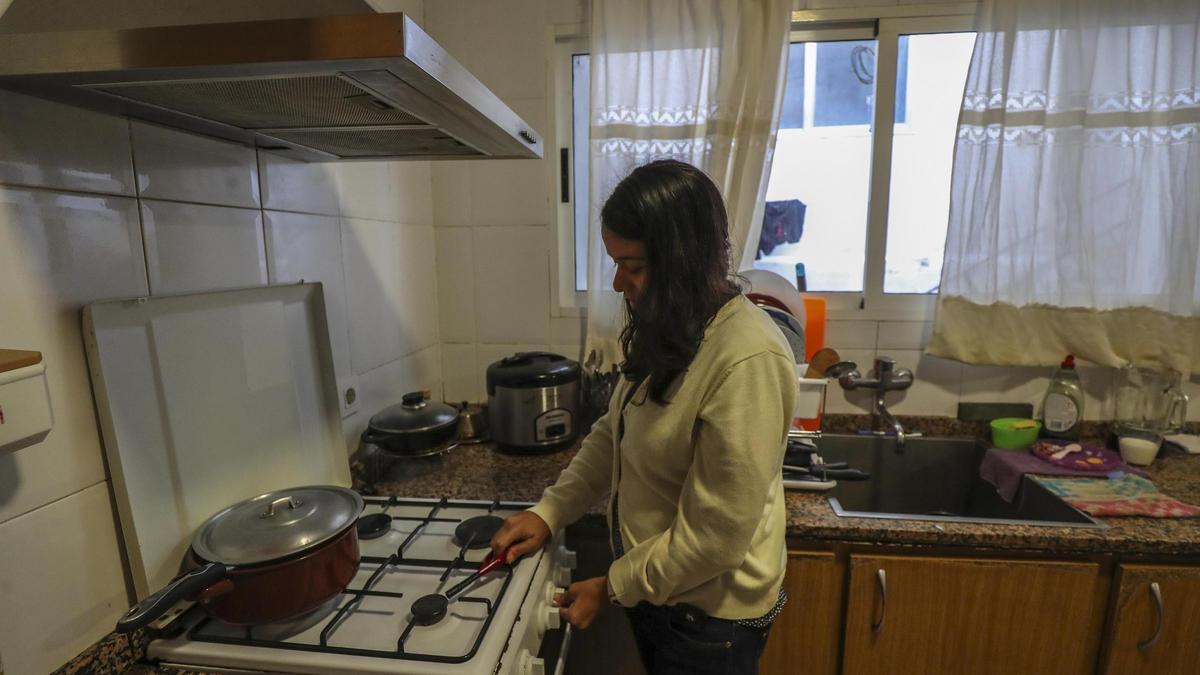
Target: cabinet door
<point>804,638</point>
<point>1137,619</point>
<point>962,615</point>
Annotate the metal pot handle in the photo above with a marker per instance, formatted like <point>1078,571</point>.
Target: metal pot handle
<point>291,501</point>
<point>184,586</point>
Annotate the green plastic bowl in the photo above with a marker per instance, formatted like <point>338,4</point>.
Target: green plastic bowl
<point>1005,436</point>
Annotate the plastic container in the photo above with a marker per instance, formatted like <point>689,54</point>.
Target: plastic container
<point>811,400</point>
<point>1014,433</point>
<point>1062,408</point>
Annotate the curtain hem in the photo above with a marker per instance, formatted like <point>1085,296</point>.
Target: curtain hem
<point>1040,335</point>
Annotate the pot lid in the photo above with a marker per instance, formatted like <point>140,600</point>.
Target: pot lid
<point>277,524</point>
<point>413,414</point>
<point>531,369</point>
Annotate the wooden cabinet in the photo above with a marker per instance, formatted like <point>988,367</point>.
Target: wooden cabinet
<point>1131,645</point>
<point>929,615</point>
<point>804,638</point>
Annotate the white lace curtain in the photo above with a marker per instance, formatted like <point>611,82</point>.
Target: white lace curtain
<point>698,81</point>
<point>1075,197</point>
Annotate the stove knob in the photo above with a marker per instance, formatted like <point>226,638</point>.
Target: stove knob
<point>553,618</point>
<point>563,576</point>
<point>566,557</point>
<point>528,664</point>
<point>550,592</point>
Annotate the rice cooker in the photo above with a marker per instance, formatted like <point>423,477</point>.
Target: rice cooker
<point>533,401</point>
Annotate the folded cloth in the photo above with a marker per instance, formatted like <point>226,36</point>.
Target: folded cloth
<point>1004,468</point>
<point>1127,495</point>
<point>1186,441</point>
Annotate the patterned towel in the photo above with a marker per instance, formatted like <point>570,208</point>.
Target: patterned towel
<point>1004,468</point>
<point>1127,495</point>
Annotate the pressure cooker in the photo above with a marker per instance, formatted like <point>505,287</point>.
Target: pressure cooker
<point>533,402</point>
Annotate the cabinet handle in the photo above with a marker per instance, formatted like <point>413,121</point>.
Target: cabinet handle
<point>1156,593</point>
<point>881,580</point>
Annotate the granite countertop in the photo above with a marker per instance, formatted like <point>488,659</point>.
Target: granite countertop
<point>481,472</point>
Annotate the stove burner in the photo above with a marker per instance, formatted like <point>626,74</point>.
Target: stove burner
<point>429,609</point>
<point>477,532</point>
<point>374,525</point>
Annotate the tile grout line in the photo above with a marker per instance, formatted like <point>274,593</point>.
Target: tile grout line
<point>55,501</point>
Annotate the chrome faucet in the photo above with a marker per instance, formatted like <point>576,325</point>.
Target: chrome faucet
<point>883,378</point>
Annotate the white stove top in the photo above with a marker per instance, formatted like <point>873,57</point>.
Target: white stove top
<point>495,626</point>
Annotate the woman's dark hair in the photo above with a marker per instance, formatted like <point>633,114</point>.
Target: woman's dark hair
<point>678,215</point>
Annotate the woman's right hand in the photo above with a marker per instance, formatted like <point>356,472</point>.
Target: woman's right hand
<point>524,532</point>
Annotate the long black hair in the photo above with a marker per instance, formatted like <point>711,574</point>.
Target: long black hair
<point>678,215</point>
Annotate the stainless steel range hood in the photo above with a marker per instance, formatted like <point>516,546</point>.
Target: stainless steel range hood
<point>371,86</point>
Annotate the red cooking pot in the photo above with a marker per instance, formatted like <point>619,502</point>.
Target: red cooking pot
<point>268,558</point>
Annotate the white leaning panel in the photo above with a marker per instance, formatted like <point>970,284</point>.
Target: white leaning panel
<point>208,399</point>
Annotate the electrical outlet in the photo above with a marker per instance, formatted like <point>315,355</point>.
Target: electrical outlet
<point>349,398</point>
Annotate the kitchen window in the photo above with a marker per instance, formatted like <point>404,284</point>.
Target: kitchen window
<point>859,187</point>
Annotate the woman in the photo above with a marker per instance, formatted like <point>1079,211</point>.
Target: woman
<point>692,443</point>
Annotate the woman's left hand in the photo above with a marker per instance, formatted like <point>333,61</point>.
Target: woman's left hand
<point>583,601</point>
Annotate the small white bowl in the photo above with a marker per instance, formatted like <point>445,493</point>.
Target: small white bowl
<point>1138,451</point>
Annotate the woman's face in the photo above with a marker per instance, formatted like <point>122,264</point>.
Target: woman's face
<point>630,257</point>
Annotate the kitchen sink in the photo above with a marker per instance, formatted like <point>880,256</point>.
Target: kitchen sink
<point>935,479</point>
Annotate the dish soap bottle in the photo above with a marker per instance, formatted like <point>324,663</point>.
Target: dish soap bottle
<point>1062,408</point>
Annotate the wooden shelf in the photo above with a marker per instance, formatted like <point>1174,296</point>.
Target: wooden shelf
<point>11,359</point>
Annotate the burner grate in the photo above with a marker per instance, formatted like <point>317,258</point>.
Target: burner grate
<point>206,629</point>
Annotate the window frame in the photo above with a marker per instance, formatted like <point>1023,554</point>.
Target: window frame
<point>566,41</point>
<point>885,25</point>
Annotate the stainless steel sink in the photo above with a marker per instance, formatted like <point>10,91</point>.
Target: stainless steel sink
<point>936,479</point>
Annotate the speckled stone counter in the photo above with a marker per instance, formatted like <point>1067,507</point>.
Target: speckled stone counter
<point>480,472</point>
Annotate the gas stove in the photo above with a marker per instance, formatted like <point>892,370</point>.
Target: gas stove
<point>504,624</point>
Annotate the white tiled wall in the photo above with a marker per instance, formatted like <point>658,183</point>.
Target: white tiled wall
<point>493,219</point>
<point>95,207</point>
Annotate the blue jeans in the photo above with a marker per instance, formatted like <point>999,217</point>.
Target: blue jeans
<point>683,640</point>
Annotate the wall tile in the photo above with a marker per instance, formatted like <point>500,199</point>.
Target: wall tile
<point>60,593</point>
<point>412,183</point>
<point>365,190</point>
<point>309,247</point>
<point>192,247</point>
<point>501,44</point>
<point>59,251</point>
<point>189,168</point>
<point>566,11</point>
<point>903,334</point>
<point>842,335</point>
<point>417,295</point>
<point>293,185</point>
<point>451,193</point>
<point>456,283</point>
<point>514,191</point>
<point>572,351</point>
<point>51,145</point>
<point>509,51</point>
<point>371,255</point>
<point>1006,384</point>
<point>512,284</point>
<point>567,330</point>
<point>460,373</point>
<point>935,388</point>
